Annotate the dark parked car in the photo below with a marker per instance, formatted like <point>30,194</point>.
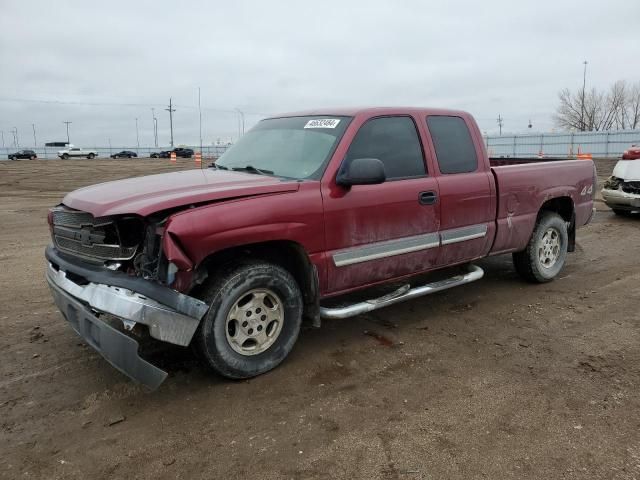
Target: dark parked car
<point>23,154</point>
<point>180,152</point>
<point>125,154</point>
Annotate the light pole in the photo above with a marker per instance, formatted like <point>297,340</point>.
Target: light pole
<point>240,121</point>
<point>200,113</point>
<point>155,126</point>
<point>2,133</point>
<point>137,136</point>
<point>16,141</point>
<point>35,142</point>
<point>68,123</point>
<point>584,84</point>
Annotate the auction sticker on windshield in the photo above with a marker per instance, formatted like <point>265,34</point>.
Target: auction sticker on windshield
<point>323,123</point>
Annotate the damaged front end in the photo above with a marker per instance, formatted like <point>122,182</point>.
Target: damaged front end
<point>118,266</point>
<point>619,194</point>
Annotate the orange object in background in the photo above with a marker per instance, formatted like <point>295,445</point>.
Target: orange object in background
<point>173,157</point>
<point>198,157</point>
<point>584,156</point>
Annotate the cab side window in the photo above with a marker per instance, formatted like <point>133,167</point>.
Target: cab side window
<point>392,140</point>
<point>453,143</point>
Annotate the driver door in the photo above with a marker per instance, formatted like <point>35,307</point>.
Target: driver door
<point>379,232</point>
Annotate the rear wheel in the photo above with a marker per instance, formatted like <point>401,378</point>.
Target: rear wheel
<point>90,156</point>
<point>253,321</point>
<point>546,252</point>
<point>33,157</point>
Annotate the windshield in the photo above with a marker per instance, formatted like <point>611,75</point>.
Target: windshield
<point>293,147</point>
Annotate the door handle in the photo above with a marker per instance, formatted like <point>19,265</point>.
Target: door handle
<point>427,198</point>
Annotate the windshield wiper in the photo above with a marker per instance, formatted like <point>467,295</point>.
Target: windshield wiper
<point>252,169</point>
<point>218,167</point>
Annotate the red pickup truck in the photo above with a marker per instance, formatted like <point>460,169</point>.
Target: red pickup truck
<point>305,208</point>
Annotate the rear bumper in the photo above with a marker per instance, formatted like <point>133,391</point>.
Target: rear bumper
<point>82,292</point>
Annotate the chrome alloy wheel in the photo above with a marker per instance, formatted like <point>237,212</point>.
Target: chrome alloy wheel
<point>549,248</point>
<point>255,321</point>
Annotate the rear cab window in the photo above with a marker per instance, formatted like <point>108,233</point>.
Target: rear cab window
<point>455,150</point>
<point>392,140</point>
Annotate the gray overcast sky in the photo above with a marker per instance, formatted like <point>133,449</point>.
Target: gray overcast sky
<point>263,57</point>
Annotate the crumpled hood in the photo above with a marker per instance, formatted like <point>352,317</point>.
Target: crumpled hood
<point>146,195</point>
<point>627,170</point>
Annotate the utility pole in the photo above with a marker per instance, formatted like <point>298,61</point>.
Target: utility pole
<point>240,121</point>
<point>68,123</point>
<point>2,133</point>
<point>155,126</point>
<point>584,84</point>
<point>137,136</point>
<point>16,140</point>
<point>200,112</point>
<point>500,121</point>
<point>171,110</point>
<point>35,142</point>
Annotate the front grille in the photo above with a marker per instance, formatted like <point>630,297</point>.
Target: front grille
<point>102,252</point>
<point>76,218</point>
<point>631,187</point>
<point>80,234</point>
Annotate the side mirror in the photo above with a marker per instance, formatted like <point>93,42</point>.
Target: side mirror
<point>361,171</point>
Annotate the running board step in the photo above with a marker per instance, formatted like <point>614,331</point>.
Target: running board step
<point>403,293</point>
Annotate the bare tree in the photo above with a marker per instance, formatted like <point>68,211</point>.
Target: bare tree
<point>618,108</point>
<point>631,112</point>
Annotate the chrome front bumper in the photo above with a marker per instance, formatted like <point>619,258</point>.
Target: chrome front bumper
<point>83,301</point>
<point>164,323</point>
<point>618,198</point>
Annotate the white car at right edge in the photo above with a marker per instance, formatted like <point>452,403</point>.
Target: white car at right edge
<point>621,191</point>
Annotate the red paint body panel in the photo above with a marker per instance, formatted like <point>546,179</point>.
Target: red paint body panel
<point>234,209</point>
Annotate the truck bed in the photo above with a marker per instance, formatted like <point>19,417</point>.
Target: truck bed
<point>523,187</point>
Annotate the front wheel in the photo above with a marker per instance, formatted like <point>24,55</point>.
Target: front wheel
<point>620,212</point>
<point>254,318</point>
<point>546,252</point>
<point>65,156</point>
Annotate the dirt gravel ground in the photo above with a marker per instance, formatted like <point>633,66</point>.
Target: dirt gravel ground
<point>498,379</point>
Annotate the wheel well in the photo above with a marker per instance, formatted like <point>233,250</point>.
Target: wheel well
<point>563,206</point>
<point>289,255</point>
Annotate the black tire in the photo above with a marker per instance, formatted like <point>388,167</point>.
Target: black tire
<point>65,156</point>
<point>528,263</point>
<point>222,293</point>
<point>622,213</point>
<point>33,157</point>
<point>91,156</point>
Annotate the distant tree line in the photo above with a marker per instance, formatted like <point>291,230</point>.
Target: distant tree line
<point>617,108</point>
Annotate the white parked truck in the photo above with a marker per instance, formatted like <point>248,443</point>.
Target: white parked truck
<point>72,151</point>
